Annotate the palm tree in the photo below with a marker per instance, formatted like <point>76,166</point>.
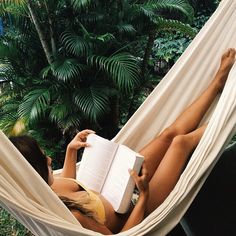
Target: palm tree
<point>89,64</point>
<point>163,15</point>
<point>80,81</point>
<point>28,8</point>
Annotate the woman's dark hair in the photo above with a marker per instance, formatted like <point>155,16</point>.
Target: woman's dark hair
<point>30,149</point>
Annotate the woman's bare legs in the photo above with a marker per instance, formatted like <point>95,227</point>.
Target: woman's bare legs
<point>171,167</point>
<point>190,118</point>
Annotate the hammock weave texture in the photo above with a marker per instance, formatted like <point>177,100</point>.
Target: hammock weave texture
<point>28,198</point>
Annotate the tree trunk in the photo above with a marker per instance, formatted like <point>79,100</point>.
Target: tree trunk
<point>40,32</point>
<point>148,51</point>
<point>52,35</point>
<point>115,114</point>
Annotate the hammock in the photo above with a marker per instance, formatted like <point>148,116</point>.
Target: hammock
<point>31,201</point>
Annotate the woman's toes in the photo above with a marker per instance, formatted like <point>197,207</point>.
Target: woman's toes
<point>232,52</point>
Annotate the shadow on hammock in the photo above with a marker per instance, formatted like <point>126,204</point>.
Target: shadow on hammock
<point>213,210</point>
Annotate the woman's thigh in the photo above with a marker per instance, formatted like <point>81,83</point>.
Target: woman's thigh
<point>154,152</point>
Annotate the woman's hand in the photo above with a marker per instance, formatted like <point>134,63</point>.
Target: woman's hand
<point>80,139</point>
<point>141,181</point>
<point>138,213</point>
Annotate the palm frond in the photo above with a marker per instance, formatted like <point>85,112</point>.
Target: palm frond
<point>45,71</point>
<point>9,5</point>
<point>170,25</point>
<point>65,118</point>
<point>8,51</point>
<point>34,104</point>
<point>10,121</point>
<point>178,6</point>
<point>92,17</point>
<point>8,105</point>
<point>75,44</point>
<point>16,10</point>
<point>63,113</point>
<point>17,2</point>
<point>80,4</point>
<point>93,102</point>
<point>67,69</point>
<point>144,9</point>
<point>123,69</point>
<point>153,8</point>
<point>7,123</point>
<point>105,37</point>
<point>126,28</point>
<point>58,112</point>
<point>72,121</point>
<point>6,71</point>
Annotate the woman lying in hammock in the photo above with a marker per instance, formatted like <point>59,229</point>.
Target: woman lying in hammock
<point>165,159</point>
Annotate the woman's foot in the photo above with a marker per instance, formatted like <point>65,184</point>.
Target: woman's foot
<point>227,61</point>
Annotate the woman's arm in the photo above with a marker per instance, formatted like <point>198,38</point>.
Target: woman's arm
<point>91,224</point>
<point>138,212</point>
<point>79,141</point>
<point>135,217</point>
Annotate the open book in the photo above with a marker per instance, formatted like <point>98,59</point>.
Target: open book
<point>104,169</point>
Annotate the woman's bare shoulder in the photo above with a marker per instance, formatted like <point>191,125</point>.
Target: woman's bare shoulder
<point>64,185</point>
<point>90,223</point>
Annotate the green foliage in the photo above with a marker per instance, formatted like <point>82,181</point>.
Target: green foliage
<point>200,5</point>
<point>34,104</point>
<point>201,18</point>
<point>122,68</point>
<point>95,61</point>
<point>78,4</point>
<point>170,47</point>
<point>173,25</point>
<point>67,69</point>
<point>75,44</point>
<point>9,226</point>
<point>92,102</point>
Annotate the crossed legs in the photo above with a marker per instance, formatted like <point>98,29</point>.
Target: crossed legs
<point>168,153</point>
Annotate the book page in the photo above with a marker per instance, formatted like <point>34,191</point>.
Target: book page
<point>118,179</point>
<point>96,162</point>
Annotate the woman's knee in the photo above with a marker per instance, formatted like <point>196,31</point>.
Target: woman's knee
<point>168,134</point>
<point>181,141</point>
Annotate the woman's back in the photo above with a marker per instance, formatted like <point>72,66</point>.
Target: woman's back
<point>104,212</point>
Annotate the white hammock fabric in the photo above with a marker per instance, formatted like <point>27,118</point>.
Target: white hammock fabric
<point>32,202</point>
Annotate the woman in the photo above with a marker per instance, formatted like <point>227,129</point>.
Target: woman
<point>165,159</point>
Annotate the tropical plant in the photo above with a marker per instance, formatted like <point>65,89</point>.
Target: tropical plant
<point>169,47</point>
<point>162,15</point>
<point>9,226</point>
<point>85,68</point>
<point>200,5</point>
<point>80,81</point>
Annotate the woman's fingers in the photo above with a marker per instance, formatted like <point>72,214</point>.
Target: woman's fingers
<point>141,181</point>
<point>84,133</point>
<point>144,170</point>
<point>134,175</point>
<point>83,144</point>
<point>87,131</point>
<point>79,140</point>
